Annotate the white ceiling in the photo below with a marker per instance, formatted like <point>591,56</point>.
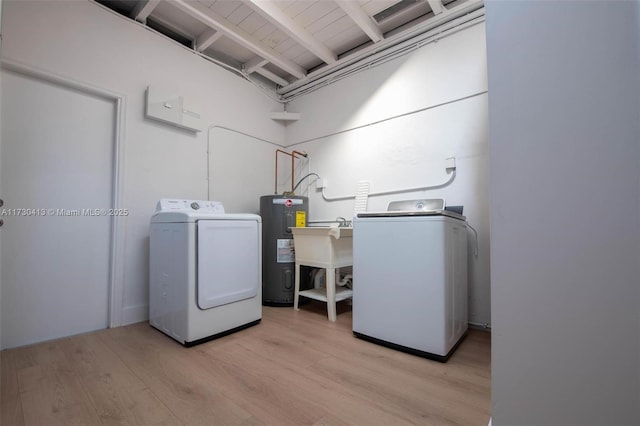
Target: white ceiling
<point>292,42</point>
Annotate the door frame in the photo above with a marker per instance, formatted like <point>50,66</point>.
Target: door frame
<point>116,243</point>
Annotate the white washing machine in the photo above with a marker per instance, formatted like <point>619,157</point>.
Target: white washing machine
<point>205,270</point>
<point>410,278</point>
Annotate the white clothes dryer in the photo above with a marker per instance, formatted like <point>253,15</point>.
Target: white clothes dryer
<point>205,270</point>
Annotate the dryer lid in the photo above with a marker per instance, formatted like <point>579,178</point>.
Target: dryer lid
<point>174,210</point>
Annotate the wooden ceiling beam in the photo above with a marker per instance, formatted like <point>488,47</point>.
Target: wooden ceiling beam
<point>228,29</point>
<point>207,38</point>
<point>255,63</point>
<point>271,12</point>
<point>361,19</point>
<point>436,6</point>
<point>143,9</point>
<point>271,76</point>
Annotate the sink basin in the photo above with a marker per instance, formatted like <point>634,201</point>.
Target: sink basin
<point>333,231</point>
<point>323,246</point>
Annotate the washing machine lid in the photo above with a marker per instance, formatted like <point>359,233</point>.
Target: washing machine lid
<point>446,213</point>
<point>421,207</point>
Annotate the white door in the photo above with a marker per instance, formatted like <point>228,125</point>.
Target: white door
<point>228,261</point>
<point>56,171</point>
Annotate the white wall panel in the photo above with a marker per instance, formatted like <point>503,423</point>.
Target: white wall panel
<point>565,214</point>
<point>230,151</point>
<point>82,41</point>
<point>408,151</point>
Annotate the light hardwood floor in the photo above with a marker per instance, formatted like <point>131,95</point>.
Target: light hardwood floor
<point>295,368</point>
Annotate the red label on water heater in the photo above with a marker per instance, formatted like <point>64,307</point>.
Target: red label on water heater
<point>288,202</point>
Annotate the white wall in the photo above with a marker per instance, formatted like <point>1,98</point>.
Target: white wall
<point>409,151</point>
<point>564,110</point>
<point>82,41</point>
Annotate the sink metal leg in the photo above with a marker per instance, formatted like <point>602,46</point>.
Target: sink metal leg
<point>331,293</point>
<point>296,291</point>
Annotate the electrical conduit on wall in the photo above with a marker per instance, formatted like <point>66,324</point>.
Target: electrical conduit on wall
<point>449,169</point>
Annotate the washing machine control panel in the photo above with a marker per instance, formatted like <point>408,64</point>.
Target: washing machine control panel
<point>202,206</point>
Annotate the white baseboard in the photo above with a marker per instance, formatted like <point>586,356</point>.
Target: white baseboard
<point>134,314</point>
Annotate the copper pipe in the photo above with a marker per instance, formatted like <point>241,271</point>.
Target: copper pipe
<point>275,189</point>
<point>293,155</point>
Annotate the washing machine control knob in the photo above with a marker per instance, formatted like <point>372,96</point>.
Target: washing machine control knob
<point>195,206</point>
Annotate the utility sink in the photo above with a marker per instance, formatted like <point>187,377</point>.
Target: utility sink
<point>324,246</point>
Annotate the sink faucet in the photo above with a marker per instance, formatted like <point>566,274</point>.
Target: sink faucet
<point>343,223</point>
